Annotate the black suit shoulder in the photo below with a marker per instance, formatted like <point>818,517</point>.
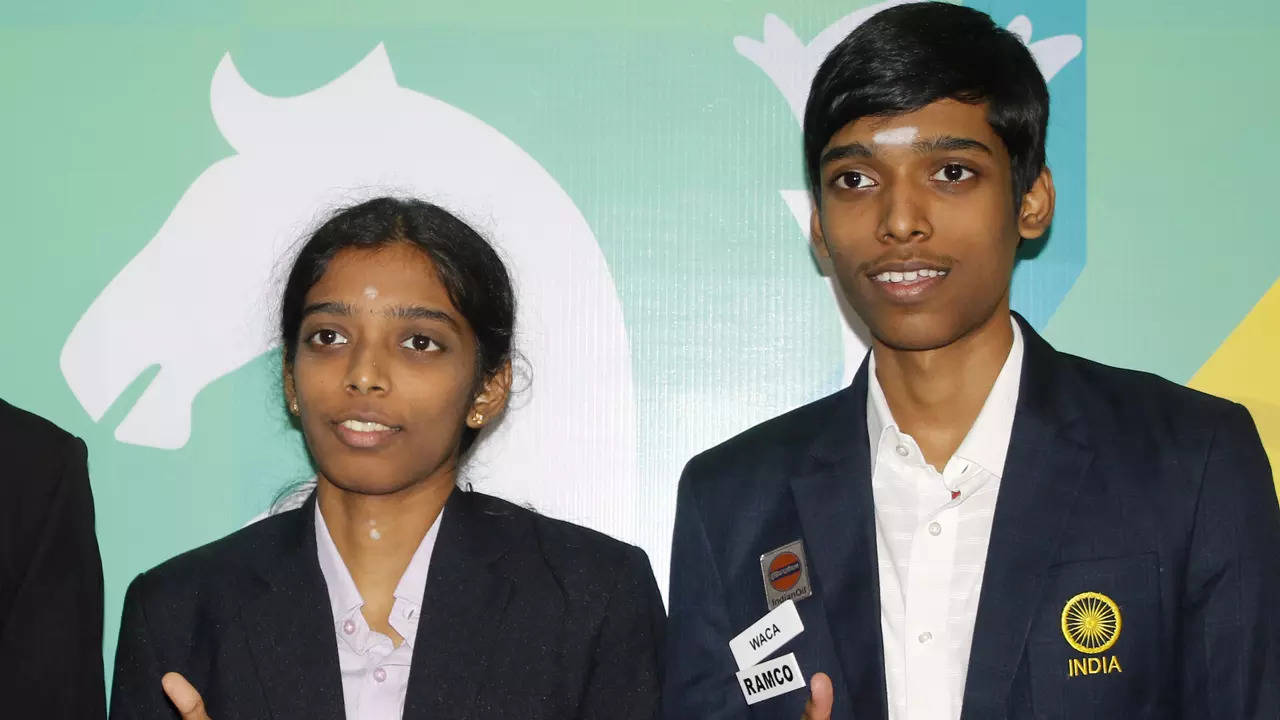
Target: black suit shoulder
<point>37,453</point>
<point>24,429</point>
<point>1140,401</point>
<point>222,564</point>
<point>781,441</point>
<point>779,434</point>
<point>582,562</point>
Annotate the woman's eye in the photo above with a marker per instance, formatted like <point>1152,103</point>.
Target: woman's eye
<point>953,173</point>
<point>421,343</point>
<point>853,180</point>
<point>327,337</point>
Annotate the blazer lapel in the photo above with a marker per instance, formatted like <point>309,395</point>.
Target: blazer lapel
<point>290,628</point>
<point>1048,455</point>
<point>832,491</point>
<point>462,610</point>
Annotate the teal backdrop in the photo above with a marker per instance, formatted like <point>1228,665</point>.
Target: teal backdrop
<point>651,147</point>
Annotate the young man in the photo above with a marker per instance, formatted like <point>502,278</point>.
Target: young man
<point>979,526</point>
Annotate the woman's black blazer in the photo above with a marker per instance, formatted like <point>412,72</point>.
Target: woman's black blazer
<point>523,617</point>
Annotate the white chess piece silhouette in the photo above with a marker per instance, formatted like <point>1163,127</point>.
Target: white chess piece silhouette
<point>198,299</point>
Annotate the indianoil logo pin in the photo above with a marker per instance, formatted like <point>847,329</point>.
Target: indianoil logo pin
<point>786,574</point>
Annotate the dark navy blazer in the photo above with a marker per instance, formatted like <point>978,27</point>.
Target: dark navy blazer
<point>1116,482</point>
<point>522,617</point>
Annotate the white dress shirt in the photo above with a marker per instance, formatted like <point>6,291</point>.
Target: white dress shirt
<point>932,532</point>
<point>375,673</point>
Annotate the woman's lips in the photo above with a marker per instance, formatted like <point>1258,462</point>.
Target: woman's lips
<point>364,434</point>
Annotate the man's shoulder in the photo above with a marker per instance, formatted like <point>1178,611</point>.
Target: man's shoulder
<point>758,453</point>
<point>1124,401</point>
<point>29,434</point>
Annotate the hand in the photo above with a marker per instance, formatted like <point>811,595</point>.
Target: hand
<point>821,696</point>
<point>188,702</point>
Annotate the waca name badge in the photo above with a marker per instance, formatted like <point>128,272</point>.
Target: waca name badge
<point>786,574</point>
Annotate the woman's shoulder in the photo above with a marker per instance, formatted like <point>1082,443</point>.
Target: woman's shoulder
<point>226,563</point>
<point>570,551</point>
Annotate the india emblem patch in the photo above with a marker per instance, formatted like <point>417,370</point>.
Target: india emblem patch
<point>1091,622</point>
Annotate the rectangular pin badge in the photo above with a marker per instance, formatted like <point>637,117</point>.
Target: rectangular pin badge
<point>786,574</point>
<point>771,679</point>
<point>766,635</point>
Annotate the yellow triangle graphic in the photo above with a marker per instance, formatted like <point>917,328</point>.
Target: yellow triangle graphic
<point>1246,368</point>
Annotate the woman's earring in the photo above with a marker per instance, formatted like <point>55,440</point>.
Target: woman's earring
<point>293,406</point>
<point>479,418</point>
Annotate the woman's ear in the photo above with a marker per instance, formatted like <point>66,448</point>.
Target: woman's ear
<point>1036,211</point>
<point>290,389</point>
<point>492,398</point>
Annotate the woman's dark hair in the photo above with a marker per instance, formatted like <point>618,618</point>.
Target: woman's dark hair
<point>908,56</point>
<point>467,265</point>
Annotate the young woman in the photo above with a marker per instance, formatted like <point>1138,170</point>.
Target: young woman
<point>391,592</point>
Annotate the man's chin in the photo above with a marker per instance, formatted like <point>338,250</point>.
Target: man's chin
<point>915,333</point>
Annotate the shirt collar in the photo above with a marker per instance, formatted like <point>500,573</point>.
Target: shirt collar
<point>987,442</point>
<point>343,594</point>
<point>344,597</point>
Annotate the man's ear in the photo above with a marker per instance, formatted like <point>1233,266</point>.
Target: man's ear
<point>492,398</point>
<point>816,236</point>
<point>1036,212</point>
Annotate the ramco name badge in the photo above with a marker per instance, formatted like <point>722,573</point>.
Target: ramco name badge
<point>766,635</point>
<point>771,679</point>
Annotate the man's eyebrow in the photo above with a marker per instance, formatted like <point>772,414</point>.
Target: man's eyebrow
<point>949,143</point>
<point>331,307</point>
<point>418,312</point>
<point>841,152</point>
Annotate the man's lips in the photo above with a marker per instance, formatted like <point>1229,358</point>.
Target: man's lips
<point>907,265</point>
<point>907,282</point>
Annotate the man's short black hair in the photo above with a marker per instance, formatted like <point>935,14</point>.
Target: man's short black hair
<point>905,57</point>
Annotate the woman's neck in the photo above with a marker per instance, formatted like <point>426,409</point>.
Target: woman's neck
<point>377,535</point>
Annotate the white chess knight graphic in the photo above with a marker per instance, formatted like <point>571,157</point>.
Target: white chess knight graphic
<point>791,65</point>
<point>198,299</point>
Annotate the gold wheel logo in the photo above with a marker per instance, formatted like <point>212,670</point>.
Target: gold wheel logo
<point>1091,622</point>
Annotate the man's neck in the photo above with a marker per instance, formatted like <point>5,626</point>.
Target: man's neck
<point>935,395</point>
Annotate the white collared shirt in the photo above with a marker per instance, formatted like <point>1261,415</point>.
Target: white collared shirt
<point>932,532</point>
<point>375,673</point>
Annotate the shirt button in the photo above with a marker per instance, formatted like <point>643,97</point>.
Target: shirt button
<point>925,637</point>
<point>902,450</point>
<point>409,613</point>
<point>349,627</point>
<point>379,674</point>
<point>935,529</point>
